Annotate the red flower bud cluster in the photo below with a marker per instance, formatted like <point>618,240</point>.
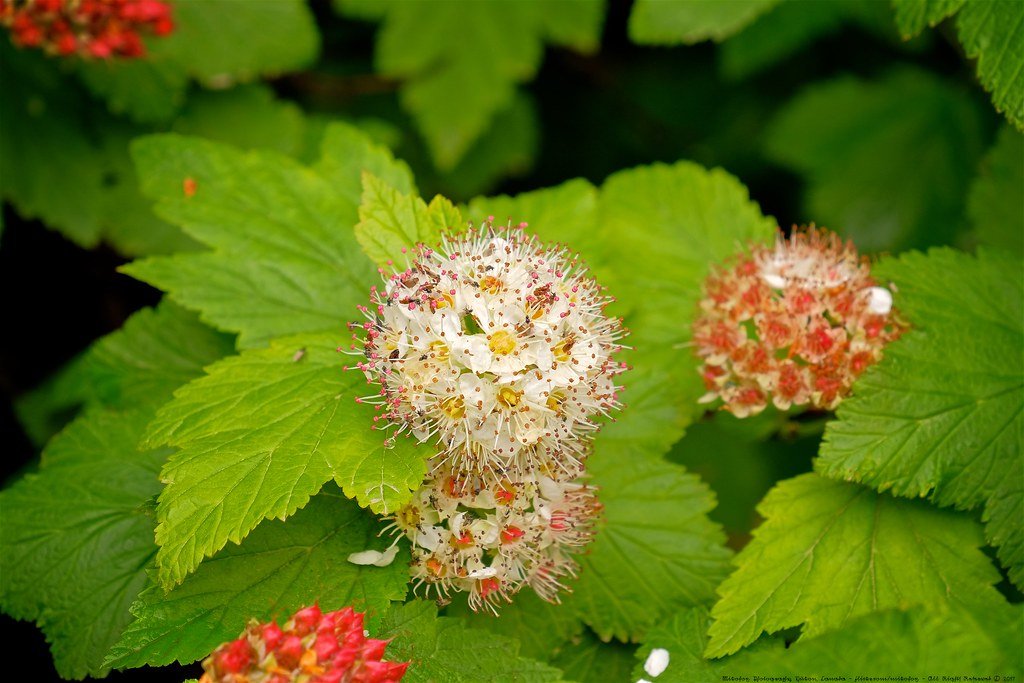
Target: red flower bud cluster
<point>313,647</point>
<point>89,28</point>
<point>794,323</point>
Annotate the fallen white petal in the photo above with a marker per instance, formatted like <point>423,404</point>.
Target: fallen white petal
<point>374,557</point>
<point>366,557</point>
<point>656,662</point>
<point>387,557</point>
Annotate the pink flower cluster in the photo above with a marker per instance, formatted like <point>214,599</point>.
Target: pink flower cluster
<point>792,324</point>
<point>89,28</point>
<point>313,647</point>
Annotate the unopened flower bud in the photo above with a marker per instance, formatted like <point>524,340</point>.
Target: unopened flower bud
<point>793,324</point>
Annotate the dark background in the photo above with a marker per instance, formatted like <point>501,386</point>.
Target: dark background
<point>625,106</point>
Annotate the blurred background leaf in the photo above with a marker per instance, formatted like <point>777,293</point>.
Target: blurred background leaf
<point>996,198</point>
<point>794,25</point>
<point>991,33</point>
<point>887,162</point>
<point>455,87</point>
<point>216,42</point>
<point>655,22</point>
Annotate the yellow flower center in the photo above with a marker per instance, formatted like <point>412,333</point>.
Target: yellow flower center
<point>439,349</point>
<point>509,397</point>
<point>454,407</point>
<point>563,349</point>
<point>502,343</point>
<point>435,567</point>
<point>409,516</point>
<point>491,284</point>
<point>555,401</point>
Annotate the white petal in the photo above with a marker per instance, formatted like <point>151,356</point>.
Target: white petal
<point>387,557</point>
<point>774,281</point>
<point>879,300</point>
<point>366,557</point>
<point>429,537</point>
<point>446,324</point>
<point>485,573</point>
<point>374,557</point>
<point>550,489</point>
<point>474,352</point>
<point>656,662</point>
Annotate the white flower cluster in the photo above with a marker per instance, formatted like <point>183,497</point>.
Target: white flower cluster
<point>490,541</point>
<point>496,348</point>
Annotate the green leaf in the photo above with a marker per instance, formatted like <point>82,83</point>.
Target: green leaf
<point>997,194</point>
<point>662,227</point>
<point>912,16</point>
<point>93,194</point>
<point>741,459</point>
<point>77,538</point>
<point>657,22</point>
<point>391,224</point>
<point>542,628</point>
<point>831,551</point>
<point>284,257</point>
<point>656,552</point>
<point>141,364</point>
<point>444,650</point>
<point>920,642</point>
<point>565,213</point>
<point>155,352</point>
<point>51,405</point>
<point>941,415</point>
<point>348,152</point>
<point>260,435</point>
<point>248,116</point>
<point>588,660</point>
<point>506,149</point>
<point>218,42</point>
<point>454,88</point>
<point>126,219</point>
<point>38,129</point>
<point>991,32</point>
<point>860,146</point>
<point>148,91</point>
<point>280,568</point>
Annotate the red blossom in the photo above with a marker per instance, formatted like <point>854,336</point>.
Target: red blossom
<point>97,29</point>
<point>313,647</point>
